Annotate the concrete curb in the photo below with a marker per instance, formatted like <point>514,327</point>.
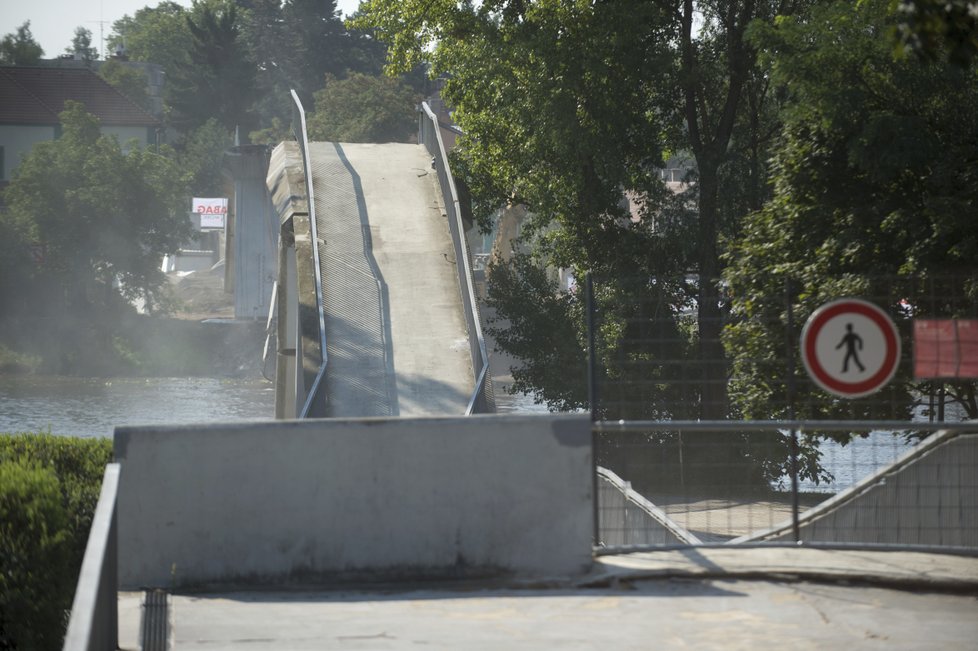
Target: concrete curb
<point>895,569</point>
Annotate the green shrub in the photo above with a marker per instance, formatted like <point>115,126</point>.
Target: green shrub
<point>35,577</point>
<point>48,492</point>
<point>14,362</point>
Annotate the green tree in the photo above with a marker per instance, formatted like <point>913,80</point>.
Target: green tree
<point>35,568</point>
<point>81,45</point>
<point>129,81</point>
<point>874,188</point>
<point>15,259</point>
<point>104,215</point>
<point>49,486</point>
<point>201,157</point>
<point>361,108</point>
<point>567,104</point>
<point>317,41</point>
<point>296,45</point>
<point>20,48</point>
<point>219,79</point>
<point>933,29</point>
<point>157,34</point>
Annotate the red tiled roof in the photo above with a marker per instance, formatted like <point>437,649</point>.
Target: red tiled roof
<point>31,95</point>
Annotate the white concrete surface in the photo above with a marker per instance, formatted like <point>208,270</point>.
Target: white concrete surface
<point>391,191</point>
<point>130,619</point>
<point>300,501</point>
<point>413,248</point>
<point>757,598</point>
<point>718,614</point>
<point>726,614</point>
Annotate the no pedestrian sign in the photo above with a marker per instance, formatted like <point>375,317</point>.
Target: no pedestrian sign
<point>850,348</point>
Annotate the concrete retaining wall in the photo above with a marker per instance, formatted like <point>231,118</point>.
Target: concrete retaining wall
<point>628,519</point>
<point>311,501</point>
<point>927,497</point>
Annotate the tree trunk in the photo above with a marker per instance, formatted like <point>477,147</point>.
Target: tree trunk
<point>713,399</point>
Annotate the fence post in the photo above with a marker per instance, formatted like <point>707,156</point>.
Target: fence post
<point>592,357</point>
<point>592,398</point>
<point>790,390</point>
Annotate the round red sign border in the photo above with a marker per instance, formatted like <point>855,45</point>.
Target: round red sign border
<point>818,373</point>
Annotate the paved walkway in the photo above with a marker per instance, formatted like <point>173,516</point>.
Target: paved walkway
<point>699,598</point>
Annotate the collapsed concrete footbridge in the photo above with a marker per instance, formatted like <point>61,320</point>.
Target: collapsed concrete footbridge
<point>376,311</point>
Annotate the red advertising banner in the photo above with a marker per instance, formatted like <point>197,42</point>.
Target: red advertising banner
<point>945,349</point>
<point>968,348</point>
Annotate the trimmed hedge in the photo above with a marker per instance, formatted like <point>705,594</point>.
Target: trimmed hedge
<point>49,486</point>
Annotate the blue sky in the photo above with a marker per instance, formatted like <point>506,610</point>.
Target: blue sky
<point>53,22</point>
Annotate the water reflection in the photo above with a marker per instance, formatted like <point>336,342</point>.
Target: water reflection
<point>94,406</point>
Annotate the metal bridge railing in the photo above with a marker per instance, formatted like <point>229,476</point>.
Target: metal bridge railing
<point>482,400</point>
<point>300,133</point>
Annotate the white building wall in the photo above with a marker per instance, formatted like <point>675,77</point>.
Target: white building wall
<point>17,141</point>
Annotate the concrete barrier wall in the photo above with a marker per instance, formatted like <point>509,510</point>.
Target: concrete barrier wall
<point>316,500</point>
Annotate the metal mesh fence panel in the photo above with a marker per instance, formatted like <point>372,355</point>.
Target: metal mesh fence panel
<point>731,439</point>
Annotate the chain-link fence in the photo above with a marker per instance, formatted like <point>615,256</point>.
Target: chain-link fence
<point>807,414</point>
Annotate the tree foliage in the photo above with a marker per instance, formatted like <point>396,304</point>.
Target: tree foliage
<point>129,81</point>
<point>237,60</point>
<point>218,80</point>
<point>362,108</point>
<point>157,34</point>
<point>568,105</point>
<point>49,486</point>
<point>35,573</point>
<point>298,44</point>
<point>102,215</point>
<point>933,29</point>
<point>81,45</point>
<point>874,187</point>
<point>553,323</point>
<point>19,48</point>
<point>201,157</point>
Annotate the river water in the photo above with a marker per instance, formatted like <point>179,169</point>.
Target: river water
<point>69,406</point>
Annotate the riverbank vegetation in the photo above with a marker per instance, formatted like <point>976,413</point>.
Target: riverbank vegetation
<point>49,486</point>
<point>86,220</point>
<point>129,345</point>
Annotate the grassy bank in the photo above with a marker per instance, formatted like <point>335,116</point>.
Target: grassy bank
<point>49,486</point>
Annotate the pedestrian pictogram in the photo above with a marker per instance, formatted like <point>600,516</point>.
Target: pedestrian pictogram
<point>850,348</point>
<point>852,342</point>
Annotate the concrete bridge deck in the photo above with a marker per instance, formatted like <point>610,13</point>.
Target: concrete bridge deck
<point>396,336</point>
